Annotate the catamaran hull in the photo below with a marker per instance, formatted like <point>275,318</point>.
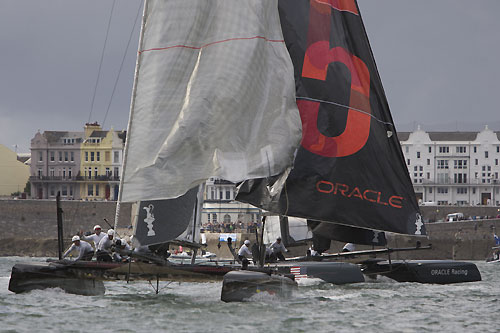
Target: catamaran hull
<point>424,271</point>
<point>240,286</point>
<point>330,272</point>
<point>31,276</point>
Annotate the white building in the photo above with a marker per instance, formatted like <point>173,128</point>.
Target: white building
<point>220,207</point>
<point>451,168</point>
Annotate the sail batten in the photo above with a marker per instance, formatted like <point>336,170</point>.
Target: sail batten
<point>214,97</point>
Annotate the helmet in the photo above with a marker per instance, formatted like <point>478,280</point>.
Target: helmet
<point>247,242</point>
<point>278,238</point>
<point>97,226</point>
<point>75,238</point>
<point>111,232</point>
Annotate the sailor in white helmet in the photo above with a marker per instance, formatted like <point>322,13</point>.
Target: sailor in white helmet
<point>243,252</point>
<point>278,249</point>
<point>96,236</point>
<point>104,247</point>
<point>85,250</point>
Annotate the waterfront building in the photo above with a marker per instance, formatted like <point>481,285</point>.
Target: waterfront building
<point>101,153</point>
<point>220,207</point>
<point>454,168</point>
<point>80,165</point>
<point>13,173</point>
<point>55,163</point>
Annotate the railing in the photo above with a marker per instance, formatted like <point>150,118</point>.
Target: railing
<point>34,178</point>
<point>101,177</point>
<point>74,178</point>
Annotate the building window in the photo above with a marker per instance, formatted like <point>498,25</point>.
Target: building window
<point>428,175</point>
<point>496,161</point>
<point>107,155</point>
<point>64,173</point>
<point>476,161</point>
<point>92,155</point>
<point>428,161</point>
<point>444,150</point>
<point>95,173</point>
<point>461,149</point>
<point>442,190</point>
<point>69,173</point>
<point>64,190</point>
<point>90,190</point>
<point>228,195</point>
<point>116,172</point>
<point>485,154</point>
<point>415,168</point>
<point>98,157</point>
<point>430,149</point>
<point>71,190</point>
<point>116,157</point>
<point>475,149</point>
<point>227,218</point>
<point>52,190</point>
<point>442,164</point>
<point>418,154</point>
<point>430,189</point>
<point>52,172</point>
<point>60,156</point>
<point>108,172</point>
<point>408,161</point>
<point>214,217</point>
<point>498,149</point>
<point>97,190</point>
<point>72,156</point>
<point>40,173</point>
<point>407,149</point>
<point>66,157</point>
<point>52,156</point>
<point>40,156</point>
<point>86,156</point>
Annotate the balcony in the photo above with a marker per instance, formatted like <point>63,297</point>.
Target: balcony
<point>98,178</point>
<point>51,178</point>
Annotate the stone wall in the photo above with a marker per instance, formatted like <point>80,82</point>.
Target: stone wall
<point>29,227</point>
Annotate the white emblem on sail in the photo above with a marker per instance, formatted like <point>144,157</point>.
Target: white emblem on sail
<point>419,224</point>
<point>375,237</point>
<point>150,218</point>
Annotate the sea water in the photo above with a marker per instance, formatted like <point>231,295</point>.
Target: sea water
<point>382,305</point>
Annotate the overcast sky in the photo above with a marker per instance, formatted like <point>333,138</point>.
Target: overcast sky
<point>438,60</point>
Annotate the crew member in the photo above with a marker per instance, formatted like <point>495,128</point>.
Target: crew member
<point>104,250</point>
<point>121,245</point>
<point>85,250</point>
<point>349,247</point>
<point>243,252</point>
<point>96,236</point>
<point>278,249</point>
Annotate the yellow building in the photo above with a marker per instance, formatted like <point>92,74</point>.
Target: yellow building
<point>13,174</point>
<point>100,167</point>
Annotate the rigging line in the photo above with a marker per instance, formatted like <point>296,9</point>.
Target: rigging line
<point>100,63</point>
<point>346,106</point>
<point>123,61</point>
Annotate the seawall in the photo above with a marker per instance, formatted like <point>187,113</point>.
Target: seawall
<point>29,228</point>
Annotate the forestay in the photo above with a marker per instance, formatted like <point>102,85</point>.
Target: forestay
<point>214,95</point>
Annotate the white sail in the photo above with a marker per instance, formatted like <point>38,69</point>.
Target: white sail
<point>214,96</point>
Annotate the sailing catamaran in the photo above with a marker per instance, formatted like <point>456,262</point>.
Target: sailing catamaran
<point>283,96</point>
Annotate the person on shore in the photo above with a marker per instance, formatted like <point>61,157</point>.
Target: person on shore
<point>96,236</point>
<point>85,250</point>
<point>243,252</point>
<point>104,250</point>
<point>349,247</point>
<point>278,249</point>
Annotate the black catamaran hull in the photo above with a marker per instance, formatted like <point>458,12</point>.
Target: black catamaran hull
<point>239,286</point>
<point>330,272</point>
<point>31,276</point>
<point>424,271</point>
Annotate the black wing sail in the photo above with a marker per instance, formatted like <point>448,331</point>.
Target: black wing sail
<point>349,168</point>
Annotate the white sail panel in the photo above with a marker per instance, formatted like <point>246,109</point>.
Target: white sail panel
<point>214,96</point>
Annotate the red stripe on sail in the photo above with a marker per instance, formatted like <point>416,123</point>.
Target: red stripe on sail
<point>213,43</point>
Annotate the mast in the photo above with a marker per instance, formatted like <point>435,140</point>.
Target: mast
<point>129,126</point>
<point>60,243</point>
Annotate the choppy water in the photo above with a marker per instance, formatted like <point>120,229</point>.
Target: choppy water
<point>380,306</point>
